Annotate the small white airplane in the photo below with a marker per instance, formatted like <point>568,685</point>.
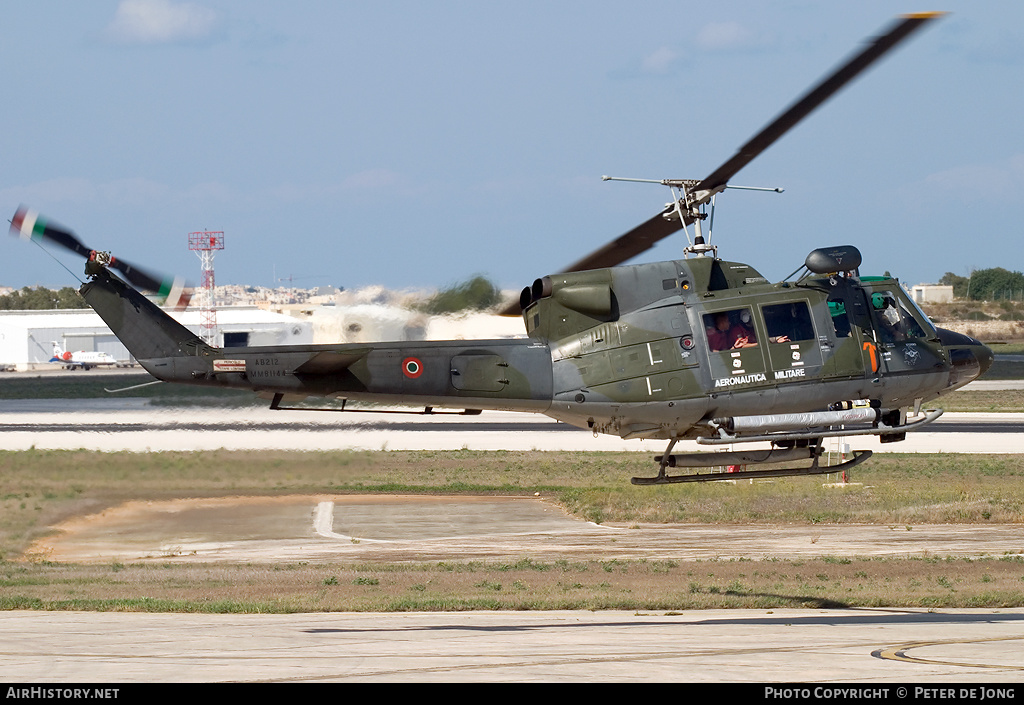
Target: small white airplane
<point>81,359</point>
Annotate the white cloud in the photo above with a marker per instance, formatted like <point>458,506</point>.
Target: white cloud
<point>999,182</point>
<point>117,193</point>
<point>989,184</point>
<point>659,61</point>
<point>370,179</point>
<point>60,190</point>
<point>141,192</point>
<point>727,36</point>
<point>160,22</point>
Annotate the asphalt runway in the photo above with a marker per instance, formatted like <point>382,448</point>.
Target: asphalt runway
<point>874,651</point>
<point>134,425</point>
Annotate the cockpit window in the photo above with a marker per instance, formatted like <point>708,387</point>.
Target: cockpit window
<point>894,322</point>
<point>789,322</point>
<point>912,306</point>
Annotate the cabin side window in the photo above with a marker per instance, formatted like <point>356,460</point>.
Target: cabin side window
<point>840,319</point>
<point>789,322</point>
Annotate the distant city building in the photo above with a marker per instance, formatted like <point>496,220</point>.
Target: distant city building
<point>256,316</point>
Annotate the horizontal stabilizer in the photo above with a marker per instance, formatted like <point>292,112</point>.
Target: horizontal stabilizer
<point>329,361</point>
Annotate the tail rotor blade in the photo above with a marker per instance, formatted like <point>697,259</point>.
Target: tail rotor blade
<point>138,277</point>
<point>29,225</point>
<point>171,290</point>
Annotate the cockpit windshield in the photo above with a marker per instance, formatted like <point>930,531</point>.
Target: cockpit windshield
<point>894,322</point>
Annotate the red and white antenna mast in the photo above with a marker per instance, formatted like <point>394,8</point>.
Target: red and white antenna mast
<point>205,244</point>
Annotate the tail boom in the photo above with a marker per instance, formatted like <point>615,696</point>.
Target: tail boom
<point>510,374</point>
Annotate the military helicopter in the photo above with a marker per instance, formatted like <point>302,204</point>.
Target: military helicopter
<point>700,348</point>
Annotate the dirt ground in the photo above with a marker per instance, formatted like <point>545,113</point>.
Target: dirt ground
<point>376,528</point>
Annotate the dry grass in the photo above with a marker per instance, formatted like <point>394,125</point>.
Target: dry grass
<point>995,400</point>
<point>643,585</point>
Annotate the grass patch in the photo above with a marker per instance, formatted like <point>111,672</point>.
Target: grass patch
<point>632,585</point>
<point>1005,369</point>
<point>995,400</point>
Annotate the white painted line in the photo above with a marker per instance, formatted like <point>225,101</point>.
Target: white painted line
<point>323,525</point>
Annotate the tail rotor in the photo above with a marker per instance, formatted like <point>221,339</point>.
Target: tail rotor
<point>170,291</point>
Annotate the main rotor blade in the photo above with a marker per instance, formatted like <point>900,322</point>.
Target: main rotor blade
<point>902,28</point>
<point>645,235</point>
<point>625,247</point>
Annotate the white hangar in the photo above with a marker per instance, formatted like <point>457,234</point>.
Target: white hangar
<point>27,337</point>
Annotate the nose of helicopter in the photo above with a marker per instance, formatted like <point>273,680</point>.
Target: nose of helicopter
<point>985,357</point>
<point>969,356</point>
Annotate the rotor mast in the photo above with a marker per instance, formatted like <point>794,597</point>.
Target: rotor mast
<point>688,206</point>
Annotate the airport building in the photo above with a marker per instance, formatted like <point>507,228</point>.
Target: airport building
<point>932,293</point>
<point>27,337</point>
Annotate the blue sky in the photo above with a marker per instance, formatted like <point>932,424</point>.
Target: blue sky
<point>413,144</point>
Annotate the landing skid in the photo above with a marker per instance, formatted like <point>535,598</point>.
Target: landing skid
<point>749,458</point>
<point>275,404</point>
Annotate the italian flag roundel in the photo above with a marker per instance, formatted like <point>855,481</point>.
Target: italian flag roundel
<point>412,367</point>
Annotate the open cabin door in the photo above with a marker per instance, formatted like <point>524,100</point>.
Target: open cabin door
<point>794,351</point>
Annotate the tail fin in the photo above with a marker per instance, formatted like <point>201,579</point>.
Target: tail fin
<point>147,332</point>
<point>59,354</point>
